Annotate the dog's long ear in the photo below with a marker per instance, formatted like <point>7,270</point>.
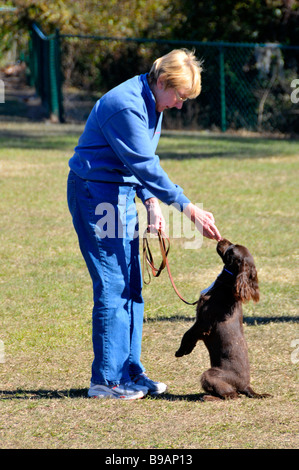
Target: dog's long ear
<point>246,286</point>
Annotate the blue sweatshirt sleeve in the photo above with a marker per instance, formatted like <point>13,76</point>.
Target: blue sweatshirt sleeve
<point>127,134</point>
<point>143,193</point>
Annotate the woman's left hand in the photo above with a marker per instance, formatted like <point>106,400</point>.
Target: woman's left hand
<point>155,219</point>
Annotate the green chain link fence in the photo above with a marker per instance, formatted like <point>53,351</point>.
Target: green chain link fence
<point>245,86</point>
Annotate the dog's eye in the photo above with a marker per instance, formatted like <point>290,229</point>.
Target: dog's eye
<point>229,254</point>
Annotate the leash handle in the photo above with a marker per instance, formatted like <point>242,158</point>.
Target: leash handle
<point>148,260</point>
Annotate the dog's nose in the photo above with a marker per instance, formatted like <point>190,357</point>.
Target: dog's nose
<point>224,242</point>
<point>222,246</point>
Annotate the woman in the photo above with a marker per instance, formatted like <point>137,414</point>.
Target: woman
<point>115,160</point>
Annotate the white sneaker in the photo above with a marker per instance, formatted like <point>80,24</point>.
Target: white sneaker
<point>154,388</point>
<point>127,391</point>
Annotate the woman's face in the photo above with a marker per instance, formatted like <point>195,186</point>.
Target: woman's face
<point>167,98</point>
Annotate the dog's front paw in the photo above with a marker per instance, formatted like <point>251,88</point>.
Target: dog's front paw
<point>179,353</point>
<point>188,343</point>
<point>185,349</point>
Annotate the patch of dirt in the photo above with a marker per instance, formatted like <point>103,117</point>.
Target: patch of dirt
<point>23,103</point>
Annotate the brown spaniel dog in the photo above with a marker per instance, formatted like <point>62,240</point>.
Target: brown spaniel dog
<point>219,323</point>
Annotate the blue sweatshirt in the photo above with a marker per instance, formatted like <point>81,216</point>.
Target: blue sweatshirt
<point>119,143</point>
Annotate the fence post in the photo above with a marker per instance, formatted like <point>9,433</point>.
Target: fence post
<point>46,71</point>
<point>222,89</point>
<point>55,78</point>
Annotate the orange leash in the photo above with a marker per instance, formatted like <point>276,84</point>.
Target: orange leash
<point>148,260</point>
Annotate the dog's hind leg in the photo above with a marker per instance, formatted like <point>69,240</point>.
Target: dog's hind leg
<point>250,393</point>
<point>213,382</point>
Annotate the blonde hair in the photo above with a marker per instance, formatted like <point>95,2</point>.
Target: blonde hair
<point>178,69</point>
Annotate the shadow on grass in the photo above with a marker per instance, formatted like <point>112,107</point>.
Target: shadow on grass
<point>227,146</point>
<point>42,394</point>
<point>53,140</point>
<point>252,321</point>
<point>34,395</point>
<point>81,393</point>
<point>176,397</point>
<point>200,146</point>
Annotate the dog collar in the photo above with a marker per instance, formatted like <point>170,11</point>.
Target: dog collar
<point>224,269</point>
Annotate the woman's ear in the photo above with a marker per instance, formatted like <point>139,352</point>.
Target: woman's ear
<point>161,82</point>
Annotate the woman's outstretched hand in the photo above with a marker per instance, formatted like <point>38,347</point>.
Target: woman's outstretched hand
<point>204,221</point>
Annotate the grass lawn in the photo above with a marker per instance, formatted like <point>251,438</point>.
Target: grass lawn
<point>251,186</point>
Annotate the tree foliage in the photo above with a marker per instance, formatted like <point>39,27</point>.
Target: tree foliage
<point>125,18</point>
<point>240,21</point>
<point>250,20</point>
